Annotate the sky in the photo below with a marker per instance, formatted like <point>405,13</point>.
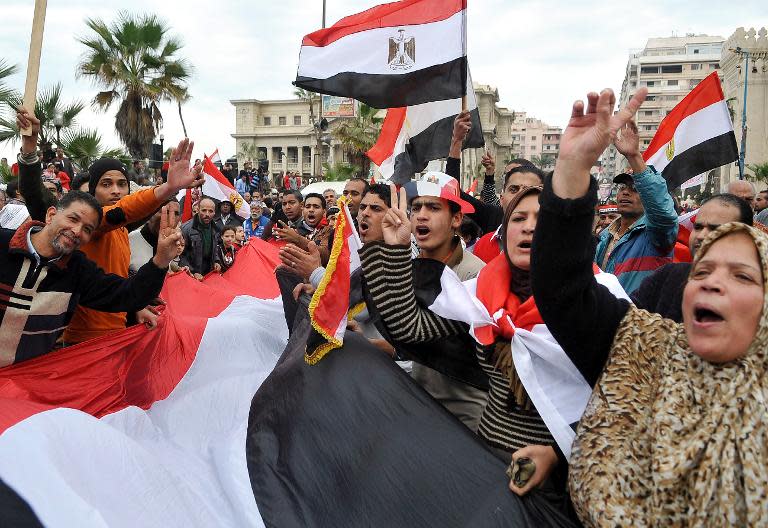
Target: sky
<point>540,55</point>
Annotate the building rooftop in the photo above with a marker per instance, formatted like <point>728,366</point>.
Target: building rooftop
<point>673,42</point>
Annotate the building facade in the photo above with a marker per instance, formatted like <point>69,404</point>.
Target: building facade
<point>669,67</point>
<point>738,67</point>
<point>535,140</point>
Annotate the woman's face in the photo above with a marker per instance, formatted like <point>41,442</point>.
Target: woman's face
<point>723,300</point>
<point>522,224</point>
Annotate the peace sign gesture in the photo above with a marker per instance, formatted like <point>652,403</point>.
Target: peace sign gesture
<point>168,237</point>
<point>395,225</point>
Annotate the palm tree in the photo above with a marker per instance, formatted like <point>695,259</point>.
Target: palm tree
<point>545,160</point>
<point>6,70</point>
<point>339,171</point>
<point>760,172</point>
<point>83,146</point>
<point>136,62</point>
<point>310,98</point>
<point>248,151</point>
<point>48,105</point>
<point>359,134</point>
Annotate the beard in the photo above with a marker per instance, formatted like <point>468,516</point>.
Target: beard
<point>64,249</point>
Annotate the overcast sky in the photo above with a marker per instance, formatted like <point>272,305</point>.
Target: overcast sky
<point>541,55</point>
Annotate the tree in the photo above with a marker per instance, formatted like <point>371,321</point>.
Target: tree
<point>135,61</point>
<point>310,98</point>
<point>760,172</point>
<point>545,160</point>
<point>248,151</point>
<point>339,171</point>
<point>6,70</point>
<point>359,134</point>
<point>48,105</point>
<point>83,146</point>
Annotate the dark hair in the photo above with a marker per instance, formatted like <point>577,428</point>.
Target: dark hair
<point>381,190</point>
<point>318,196</point>
<point>454,207</point>
<point>366,185</point>
<point>520,161</point>
<point>746,214</point>
<point>268,201</point>
<point>80,196</point>
<point>296,193</point>
<point>12,188</point>
<point>229,227</point>
<point>470,228</point>
<point>79,180</point>
<point>527,169</point>
<point>510,209</point>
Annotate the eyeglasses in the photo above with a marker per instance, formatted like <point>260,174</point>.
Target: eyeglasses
<point>626,187</point>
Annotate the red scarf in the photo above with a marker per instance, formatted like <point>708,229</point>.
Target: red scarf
<point>493,291</point>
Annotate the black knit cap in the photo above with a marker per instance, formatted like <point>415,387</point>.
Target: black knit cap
<point>100,167</point>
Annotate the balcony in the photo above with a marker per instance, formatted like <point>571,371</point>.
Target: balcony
<point>293,166</point>
<point>306,166</point>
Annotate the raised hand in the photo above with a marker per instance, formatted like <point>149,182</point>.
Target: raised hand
<point>588,134</point>
<point>488,162</point>
<point>301,262</point>
<point>180,176</point>
<point>395,225</point>
<point>168,238</point>
<point>462,124</point>
<point>627,142</point>
<point>24,120</point>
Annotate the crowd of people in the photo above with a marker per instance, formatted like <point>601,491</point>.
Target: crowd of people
<point>675,430</point>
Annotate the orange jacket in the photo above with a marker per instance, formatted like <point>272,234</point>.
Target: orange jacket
<point>110,250</point>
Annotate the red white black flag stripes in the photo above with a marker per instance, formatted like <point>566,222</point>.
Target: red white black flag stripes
<point>695,137</point>
<point>412,137</point>
<point>398,54</point>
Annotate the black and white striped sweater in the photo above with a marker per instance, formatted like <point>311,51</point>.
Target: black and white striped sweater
<point>389,279</point>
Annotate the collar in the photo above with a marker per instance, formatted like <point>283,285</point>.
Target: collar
<point>21,243</point>
<point>496,234</point>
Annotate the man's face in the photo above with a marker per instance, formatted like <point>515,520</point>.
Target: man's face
<point>353,190</point>
<point>433,225</point>
<point>52,188</point>
<point>154,222</point>
<point>313,211</point>
<point>247,197</point>
<point>68,229</point>
<point>225,208</point>
<point>4,161</point>
<point>111,187</point>
<point>255,212</point>
<point>604,220</point>
<point>255,196</point>
<point>330,198</point>
<point>291,207</point>
<point>628,201</point>
<point>761,201</point>
<point>206,211</point>
<point>743,190</point>
<point>369,217</point>
<point>711,215</point>
<point>59,153</point>
<point>515,183</point>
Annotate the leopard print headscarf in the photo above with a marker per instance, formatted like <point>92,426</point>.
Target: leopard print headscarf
<point>669,439</point>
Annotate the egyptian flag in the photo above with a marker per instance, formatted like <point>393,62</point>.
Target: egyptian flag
<point>147,427</point>
<point>412,137</point>
<point>392,55</point>
<point>695,137</point>
<point>215,157</point>
<point>552,382</point>
<point>329,308</point>
<point>354,441</point>
<point>216,186</point>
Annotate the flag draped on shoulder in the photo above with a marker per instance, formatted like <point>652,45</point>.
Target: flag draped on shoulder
<point>218,187</point>
<point>695,137</point>
<point>392,55</point>
<point>411,137</point>
<point>329,307</point>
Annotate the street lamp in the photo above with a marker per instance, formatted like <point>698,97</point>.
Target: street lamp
<point>58,122</point>
<point>746,55</point>
<point>162,150</point>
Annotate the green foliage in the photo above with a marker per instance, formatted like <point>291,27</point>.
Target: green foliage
<point>545,160</point>
<point>760,172</point>
<point>339,171</point>
<point>357,135</point>
<point>136,62</point>
<point>248,151</point>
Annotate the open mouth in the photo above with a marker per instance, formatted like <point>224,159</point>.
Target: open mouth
<point>624,202</point>
<point>421,231</point>
<point>363,226</point>
<point>703,314</point>
<point>526,244</point>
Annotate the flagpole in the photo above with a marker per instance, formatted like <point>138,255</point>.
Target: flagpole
<point>466,61</point>
<point>33,61</point>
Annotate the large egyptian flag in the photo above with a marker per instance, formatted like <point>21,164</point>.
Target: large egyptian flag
<point>393,55</point>
<point>147,427</point>
<point>695,137</point>
<point>411,137</point>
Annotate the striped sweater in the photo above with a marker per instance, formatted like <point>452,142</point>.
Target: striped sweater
<point>389,279</point>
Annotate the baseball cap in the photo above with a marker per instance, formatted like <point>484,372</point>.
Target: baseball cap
<point>624,177</point>
<point>440,185</point>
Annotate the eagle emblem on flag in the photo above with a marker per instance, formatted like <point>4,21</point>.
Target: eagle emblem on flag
<point>670,150</point>
<point>402,51</point>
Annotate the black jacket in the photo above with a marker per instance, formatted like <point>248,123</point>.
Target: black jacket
<point>662,292</point>
<point>193,246</point>
<point>38,300</point>
<point>487,216</point>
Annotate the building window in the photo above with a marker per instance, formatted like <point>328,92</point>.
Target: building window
<point>695,67</point>
<point>647,112</point>
<point>281,120</point>
<point>650,83</point>
<point>693,82</point>
<point>695,52</point>
<point>672,68</point>
<point>650,98</point>
<point>671,83</point>
<point>649,69</point>
<point>267,121</point>
<point>533,148</point>
<point>296,120</point>
<point>714,66</point>
<point>533,138</point>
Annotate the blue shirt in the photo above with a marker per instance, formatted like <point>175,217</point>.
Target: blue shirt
<point>255,231</point>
